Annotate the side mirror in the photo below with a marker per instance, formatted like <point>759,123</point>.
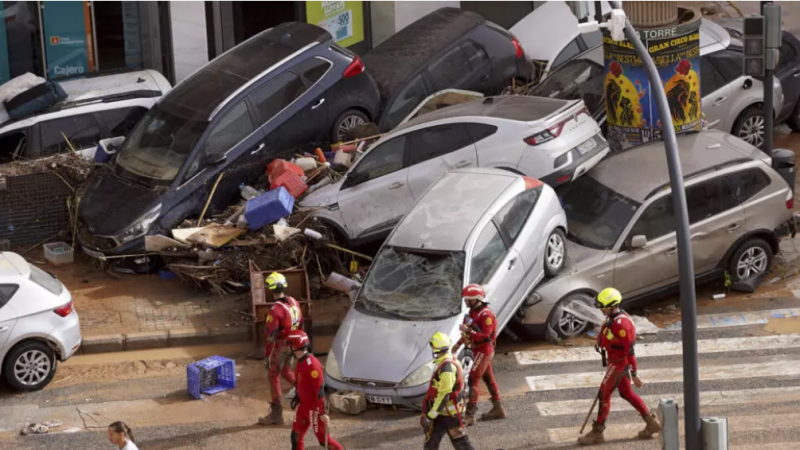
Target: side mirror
<point>638,241</point>
<point>748,83</point>
<point>354,178</point>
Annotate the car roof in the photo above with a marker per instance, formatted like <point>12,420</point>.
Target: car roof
<point>446,214</point>
<point>401,56</point>
<point>211,86</point>
<point>510,107</point>
<point>12,265</point>
<point>637,172</point>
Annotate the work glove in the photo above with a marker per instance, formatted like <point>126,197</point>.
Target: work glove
<point>325,419</point>
<point>294,402</point>
<point>424,422</point>
<point>637,381</point>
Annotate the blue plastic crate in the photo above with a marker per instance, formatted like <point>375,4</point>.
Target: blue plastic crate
<point>225,376</point>
<point>268,208</point>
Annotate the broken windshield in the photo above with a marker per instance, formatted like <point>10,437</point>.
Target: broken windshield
<point>414,285</point>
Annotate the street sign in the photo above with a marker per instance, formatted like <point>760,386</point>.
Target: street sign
<point>754,46</point>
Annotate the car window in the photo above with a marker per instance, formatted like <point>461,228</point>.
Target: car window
<point>709,198</point>
<point>480,131</point>
<point>120,122</point>
<point>412,95</point>
<point>13,144</point>
<point>656,221</point>
<point>593,39</point>
<point>276,94</point>
<point>448,70</point>
<point>476,56</point>
<point>313,69</point>
<point>748,183</point>
<point>487,255</point>
<point>6,292</point>
<point>382,160</point>
<point>728,63</point>
<point>511,219</point>
<point>577,79</point>
<point>570,51</point>
<point>82,131</point>
<point>788,55</point>
<point>710,78</point>
<point>436,141</point>
<point>229,131</point>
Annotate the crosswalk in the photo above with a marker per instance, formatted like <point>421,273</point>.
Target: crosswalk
<point>746,375</point>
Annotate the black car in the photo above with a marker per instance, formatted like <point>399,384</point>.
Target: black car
<point>283,89</point>
<point>448,48</point>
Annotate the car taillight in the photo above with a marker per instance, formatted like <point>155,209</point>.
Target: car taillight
<point>517,47</point>
<point>65,310</point>
<point>790,200</point>
<point>564,178</point>
<point>555,130</point>
<point>355,68</point>
<point>531,183</point>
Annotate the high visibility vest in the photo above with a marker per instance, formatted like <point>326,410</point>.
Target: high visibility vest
<point>293,308</point>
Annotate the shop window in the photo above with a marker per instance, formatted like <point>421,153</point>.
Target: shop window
<point>119,41</point>
<point>82,131</point>
<point>20,49</point>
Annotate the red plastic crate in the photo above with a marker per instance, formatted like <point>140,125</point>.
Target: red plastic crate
<point>279,166</point>
<point>291,181</point>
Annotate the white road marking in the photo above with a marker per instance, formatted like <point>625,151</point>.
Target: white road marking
<point>667,375</point>
<point>742,344</point>
<point>740,318</point>
<point>707,400</point>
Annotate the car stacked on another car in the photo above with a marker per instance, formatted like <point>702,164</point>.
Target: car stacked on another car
<point>553,140</point>
<point>484,226</point>
<point>622,227</point>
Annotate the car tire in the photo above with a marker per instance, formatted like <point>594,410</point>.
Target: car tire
<point>565,324</point>
<point>30,366</point>
<point>749,126</point>
<point>345,122</point>
<point>794,119</point>
<point>752,258</point>
<point>555,253</point>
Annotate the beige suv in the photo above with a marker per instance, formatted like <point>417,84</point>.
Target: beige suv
<point>622,228</point>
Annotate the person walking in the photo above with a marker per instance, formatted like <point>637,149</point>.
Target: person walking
<point>284,317</point>
<point>120,435</point>
<point>479,333</point>
<point>617,337</point>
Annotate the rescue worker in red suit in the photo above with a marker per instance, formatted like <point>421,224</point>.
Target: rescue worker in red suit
<point>479,332</point>
<point>444,401</point>
<point>310,398</point>
<point>617,337</point>
<point>284,317</point>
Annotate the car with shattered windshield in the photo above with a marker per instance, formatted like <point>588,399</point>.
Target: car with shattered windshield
<point>622,227</point>
<point>282,89</point>
<point>485,226</point>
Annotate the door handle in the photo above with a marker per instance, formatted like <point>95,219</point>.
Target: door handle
<point>672,251</point>
<point>464,163</point>
<point>697,235</point>
<point>733,227</point>
<point>720,101</point>
<point>2,329</point>
<point>796,74</point>
<point>396,185</point>
<point>260,147</point>
<point>512,263</point>
<point>319,103</point>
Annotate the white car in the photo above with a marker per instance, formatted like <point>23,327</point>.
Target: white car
<point>555,141</point>
<point>484,226</point>
<point>38,324</point>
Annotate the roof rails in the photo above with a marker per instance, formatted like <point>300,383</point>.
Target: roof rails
<point>696,174</point>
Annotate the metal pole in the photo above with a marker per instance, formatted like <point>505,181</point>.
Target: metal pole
<point>769,120</point>
<point>691,386</point>
<point>598,12</point>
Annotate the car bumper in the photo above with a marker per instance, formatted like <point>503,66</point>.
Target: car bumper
<point>411,397</point>
<point>133,247</point>
<point>580,165</point>
<point>67,336</point>
<point>789,228</point>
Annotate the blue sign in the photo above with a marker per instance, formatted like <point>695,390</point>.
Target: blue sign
<point>5,74</point>
<point>68,38</point>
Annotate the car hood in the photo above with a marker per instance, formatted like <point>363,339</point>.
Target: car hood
<point>381,349</point>
<point>111,204</point>
<point>324,196</point>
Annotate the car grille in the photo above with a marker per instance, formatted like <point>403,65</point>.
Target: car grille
<point>96,242</point>
<point>372,384</point>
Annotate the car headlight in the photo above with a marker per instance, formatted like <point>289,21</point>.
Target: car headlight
<point>142,225</point>
<point>332,367</point>
<point>420,376</point>
<point>532,299</point>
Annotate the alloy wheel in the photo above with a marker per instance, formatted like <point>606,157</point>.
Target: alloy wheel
<point>555,251</point>
<point>752,262</point>
<point>347,124</point>
<point>752,131</point>
<point>32,367</point>
<point>570,325</point>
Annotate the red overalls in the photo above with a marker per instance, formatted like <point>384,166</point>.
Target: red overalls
<point>618,336</point>
<point>481,337</point>
<point>284,317</point>
<point>311,392</point>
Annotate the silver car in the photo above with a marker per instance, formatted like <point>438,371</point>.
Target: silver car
<point>622,230</point>
<point>486,226</point>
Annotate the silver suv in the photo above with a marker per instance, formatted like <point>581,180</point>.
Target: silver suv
<point>622,228</point>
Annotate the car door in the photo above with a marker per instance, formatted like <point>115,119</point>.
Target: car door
<point>8,317</point>
<point>480,79</point>
<point>788,71</point>
<point>716,94</point>
<point>496,267</point>
<point>452,70</point>
<point>79,133</point>
<point>375,193</point>
<point>313,120</point>
<point>436,150</point>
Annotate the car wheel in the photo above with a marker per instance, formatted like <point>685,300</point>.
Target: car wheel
<point>566,324</point>
<point>30,366</point>
<point>752,258</point>
<point>346,121</point>
<point>749,127</point>
<point>555,253</point>
<point>794,120</point>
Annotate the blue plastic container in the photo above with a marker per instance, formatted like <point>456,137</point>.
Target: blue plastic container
<point>167,275</point>
<point>268,208</point>
<point>225,376</point>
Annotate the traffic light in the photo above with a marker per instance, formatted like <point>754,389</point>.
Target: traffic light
<point>754,46</point>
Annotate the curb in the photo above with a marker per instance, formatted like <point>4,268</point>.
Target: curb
<point>163,339</point>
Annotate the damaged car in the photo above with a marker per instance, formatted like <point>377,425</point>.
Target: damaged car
<point>485,226</point>
<point>283,88</point>
<point>549,139</point>
<point>622,227</point>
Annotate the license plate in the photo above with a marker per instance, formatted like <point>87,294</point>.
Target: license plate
<point>379,399</point>
<point>94,254</point>
<point>587,146</point>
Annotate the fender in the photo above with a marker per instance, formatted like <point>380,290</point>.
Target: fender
<point>764,233</point>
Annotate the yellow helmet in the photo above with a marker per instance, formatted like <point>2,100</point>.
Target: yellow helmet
<point>440,342</point>
<point>276,281</point>
<point>608,298</point>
